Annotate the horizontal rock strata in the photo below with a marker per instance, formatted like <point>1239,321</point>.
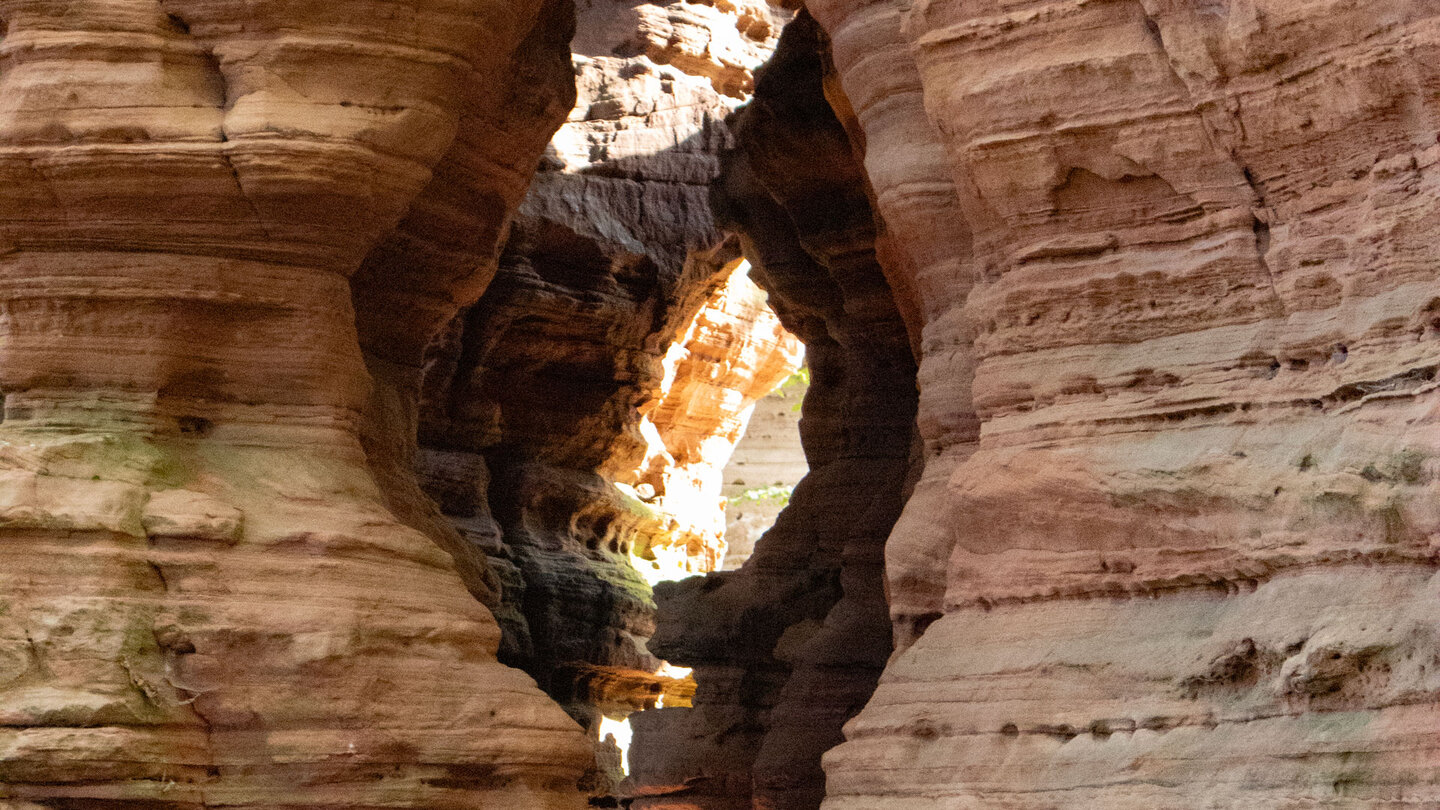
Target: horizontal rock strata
<point>762,472</point>
<point>1181,562</point>
<point>327,479</point>
<point>204,599</point>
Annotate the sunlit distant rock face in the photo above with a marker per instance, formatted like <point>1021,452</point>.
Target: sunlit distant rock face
<point>768,462</point>
<point>204,597</point>
<point>731,354</point>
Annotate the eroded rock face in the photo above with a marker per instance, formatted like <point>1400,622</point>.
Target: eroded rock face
<point>206,600</point>
<point>1167,267</point>
<point>734,352</point>
<point>575,420</point>
<point>789,647</point>
<point>1182,563</point>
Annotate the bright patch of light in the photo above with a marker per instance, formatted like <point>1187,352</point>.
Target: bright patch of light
<point>670,564</point>
<point>668,670</point>
<point>619,731</point>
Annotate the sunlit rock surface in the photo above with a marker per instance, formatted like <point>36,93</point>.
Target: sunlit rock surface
<point>763,470</point>
<point>204,599</point>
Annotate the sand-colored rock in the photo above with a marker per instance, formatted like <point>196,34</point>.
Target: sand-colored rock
<point>762,472</point>
<point>206,601</point>
<point>733,353</point>
<point>720,42</point>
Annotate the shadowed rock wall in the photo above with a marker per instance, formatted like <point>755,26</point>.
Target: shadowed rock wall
<point>1165,268</point>
<point>788,647</point>
<point>575,420</point>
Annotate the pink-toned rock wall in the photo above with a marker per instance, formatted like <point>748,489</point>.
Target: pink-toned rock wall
<point>204,599</point>
<point>1187,561</point>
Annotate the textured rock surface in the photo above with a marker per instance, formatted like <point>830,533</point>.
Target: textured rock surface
<point>733,353</point>
<point>204,600</point>
<point>1183,566</point>
<point>1167,539</point>
<point>789,647</point>
<point>575,420</point>
<point>762,472</point>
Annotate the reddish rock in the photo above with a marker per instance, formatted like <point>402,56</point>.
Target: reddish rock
<point>762,472</point>
<point>1121,317</point>
<point>1180,564</point>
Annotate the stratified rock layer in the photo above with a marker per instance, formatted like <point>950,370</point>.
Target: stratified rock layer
<point>204,599</point>
<point>733,353</point>
<point>1167,539</point>
<point>1185,564</point>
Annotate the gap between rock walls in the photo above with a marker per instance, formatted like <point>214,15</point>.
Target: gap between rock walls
<point>575,421</point>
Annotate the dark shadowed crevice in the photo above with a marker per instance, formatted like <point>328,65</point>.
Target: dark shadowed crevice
<point>442,255</point>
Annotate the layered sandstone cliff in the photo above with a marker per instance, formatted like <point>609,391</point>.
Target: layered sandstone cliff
<point>1157,532</point>
<point>245,247</point>
<point>205,598</point>
<point>1186,563</point>
<point>1171,537</point>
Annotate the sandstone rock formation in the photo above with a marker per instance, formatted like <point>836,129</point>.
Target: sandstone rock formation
<point>762,472</point>
<point>234,236</point>
<point>1182,286</point>
<point>733,353</point>
<point>205,599</point>
<point>1122,321</point>
<point>1183,566</point>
